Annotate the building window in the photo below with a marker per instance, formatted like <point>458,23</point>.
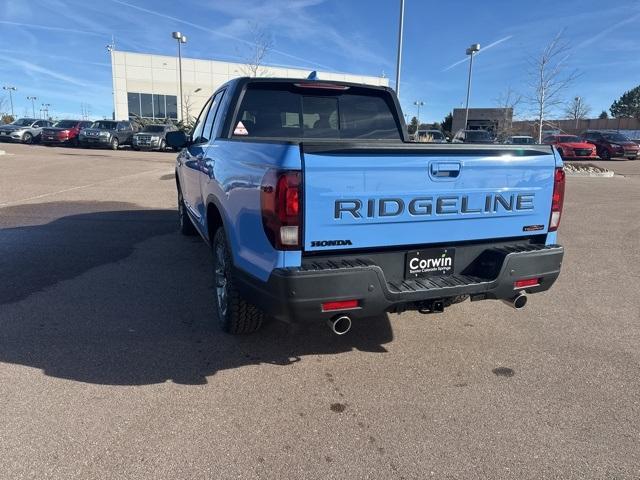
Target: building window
<point>159,109</point>
<point>146,105</point>
<point>150,105</point>
<point>172,106</point>
<point>134,103</point>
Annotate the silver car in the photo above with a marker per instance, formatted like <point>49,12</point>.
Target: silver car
<point>23,130</point>
<point>152,137</point>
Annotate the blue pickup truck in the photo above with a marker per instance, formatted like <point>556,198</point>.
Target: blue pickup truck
<point>318,208</point>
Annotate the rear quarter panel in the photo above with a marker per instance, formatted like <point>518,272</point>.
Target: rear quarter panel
<point>234,186</point>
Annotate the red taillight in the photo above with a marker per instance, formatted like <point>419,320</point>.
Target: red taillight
<point>530,282</point>
<point>557,200</point>
<point>63,133</point>
<point>341,305</point>
<point>280,201</point>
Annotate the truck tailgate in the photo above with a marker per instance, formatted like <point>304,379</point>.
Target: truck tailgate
<point>410,194</point>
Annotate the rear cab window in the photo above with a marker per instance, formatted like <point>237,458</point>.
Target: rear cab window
<point>283,110</point>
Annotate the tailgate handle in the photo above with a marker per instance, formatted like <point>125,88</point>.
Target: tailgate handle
<point>445,169</point>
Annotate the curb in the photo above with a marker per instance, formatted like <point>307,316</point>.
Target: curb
<point>607,174</point>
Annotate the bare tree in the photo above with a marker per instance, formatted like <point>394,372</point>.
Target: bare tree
<point>577,109</point>
<point>257,50</point>
<point>507,101</point>
<point>548,78</point>
<point>188,107</point>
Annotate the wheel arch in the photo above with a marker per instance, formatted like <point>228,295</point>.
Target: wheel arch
<point>215,219</point>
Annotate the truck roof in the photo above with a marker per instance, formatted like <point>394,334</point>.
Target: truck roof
<point>245,80</point>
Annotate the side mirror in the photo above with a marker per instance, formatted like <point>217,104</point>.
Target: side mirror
<point>177,140</point>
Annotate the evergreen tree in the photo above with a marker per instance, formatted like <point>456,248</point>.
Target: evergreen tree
<point>628,105</point>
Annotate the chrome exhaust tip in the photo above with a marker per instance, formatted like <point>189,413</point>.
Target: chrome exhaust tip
<point>518,302</point>
<point>340,324</point>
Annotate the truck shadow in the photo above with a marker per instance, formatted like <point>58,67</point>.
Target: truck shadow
<point>107,293</point>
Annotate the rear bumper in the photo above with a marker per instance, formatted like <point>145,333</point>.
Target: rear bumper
<point>296,294</point>
<point>57,141</point>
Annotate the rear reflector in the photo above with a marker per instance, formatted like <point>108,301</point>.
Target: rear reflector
<point>530,282</point>
<point>341,305</point>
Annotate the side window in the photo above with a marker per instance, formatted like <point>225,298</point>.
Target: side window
<point>196,134</point>
<point>207,131</point>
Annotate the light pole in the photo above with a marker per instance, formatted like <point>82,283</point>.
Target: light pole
<point>45,109</point>
<point>33,105</point>
<point>418,104</point>
<point>180,38</point>
<point>10,89</point>
<point>474,48</point>
<point>577,111</point>
<point>399,55</point>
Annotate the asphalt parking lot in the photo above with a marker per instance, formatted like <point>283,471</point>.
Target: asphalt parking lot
<point>110,365</point>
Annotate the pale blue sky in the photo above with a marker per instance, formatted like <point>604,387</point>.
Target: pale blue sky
<point>57,49</point>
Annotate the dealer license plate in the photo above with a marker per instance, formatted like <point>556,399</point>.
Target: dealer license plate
<point>433,262</point>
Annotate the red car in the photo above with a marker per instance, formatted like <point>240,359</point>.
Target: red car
<point>64,132</point>
<point>572,147</point>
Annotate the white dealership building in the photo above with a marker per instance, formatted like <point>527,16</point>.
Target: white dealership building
<point>148,85</point>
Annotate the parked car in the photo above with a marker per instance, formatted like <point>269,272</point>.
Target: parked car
<point>107,133</point>
<point>612,144</point>
<point>152,137</point>
<point>472,136</point>
<point>23,130</point>
<point>328,221</point>
<point>64,132</point>
<point>571,147</point>
<point>520,140</point>
<point>430,136</point>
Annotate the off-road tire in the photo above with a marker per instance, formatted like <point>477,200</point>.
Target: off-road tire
<point>237,316</point>
<point>186,225</point>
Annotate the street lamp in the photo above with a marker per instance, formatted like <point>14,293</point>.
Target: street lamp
<point>418,103</point>
<point>10,89</point>
<point>33,105</point>
<point>399,54</point>
<point>180,38</point>
<point>474,48</point>
<point>45,109</point>
<point>577,111</point>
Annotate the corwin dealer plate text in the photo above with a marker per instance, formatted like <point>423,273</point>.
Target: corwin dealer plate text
<point>433,262</point>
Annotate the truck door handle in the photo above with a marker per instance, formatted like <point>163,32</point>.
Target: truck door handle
<point>445,169</point>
